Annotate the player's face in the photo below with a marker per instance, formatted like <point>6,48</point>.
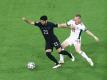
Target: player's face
<point>43,22</point>
<point>77,20</point>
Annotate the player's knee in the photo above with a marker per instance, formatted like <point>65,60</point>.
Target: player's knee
<point>48,53</point>
<point>48,50</point>
<point>59,50</point>
<point>78,51</point>
<point>64,45</point>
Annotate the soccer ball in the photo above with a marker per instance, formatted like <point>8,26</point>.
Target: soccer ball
<point>31,65</point>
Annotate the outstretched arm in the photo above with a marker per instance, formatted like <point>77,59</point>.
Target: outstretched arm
<point>28,21</point>
<point>63,25</point>
<point>92,35</point>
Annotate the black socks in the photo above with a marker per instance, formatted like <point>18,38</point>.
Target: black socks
<point>51,57</point>
<point>65,53</point>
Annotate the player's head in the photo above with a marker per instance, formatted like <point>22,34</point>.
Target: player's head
<point>77,18</point>
<point>43,19</point>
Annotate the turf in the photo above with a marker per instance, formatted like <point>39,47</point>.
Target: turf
<point>20,42</point>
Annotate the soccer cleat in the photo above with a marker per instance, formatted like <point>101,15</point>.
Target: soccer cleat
<point>57,66</point>
<point>61,62</point>
<point>73,58</point>
<point>90,62</point>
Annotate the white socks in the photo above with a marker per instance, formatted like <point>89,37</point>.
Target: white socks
<point>61,57</point>
<point>83,54</point>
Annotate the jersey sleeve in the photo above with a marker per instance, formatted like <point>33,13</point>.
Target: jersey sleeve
<point>84,28</point>
<point>36,24</point>
<point>54,25</point>
<point>69,22</point>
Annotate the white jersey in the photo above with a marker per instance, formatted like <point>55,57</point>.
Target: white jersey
<point>77,30</point>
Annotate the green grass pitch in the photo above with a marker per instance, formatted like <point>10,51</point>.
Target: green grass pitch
<point>20,43</point>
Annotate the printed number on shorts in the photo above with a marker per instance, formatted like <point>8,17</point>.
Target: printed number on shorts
<point>56,44</point>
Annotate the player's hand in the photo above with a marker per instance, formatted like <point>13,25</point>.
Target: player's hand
<point>23,18</point>
<point>96,38</point>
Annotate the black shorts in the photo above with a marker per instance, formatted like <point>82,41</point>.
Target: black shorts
<point>51,45</point>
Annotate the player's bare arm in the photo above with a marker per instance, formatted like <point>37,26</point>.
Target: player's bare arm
<point>28,21</point>
<point>92,35</point>
<point>64,25</point>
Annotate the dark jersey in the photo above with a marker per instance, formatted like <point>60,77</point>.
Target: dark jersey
<point>47,31</point>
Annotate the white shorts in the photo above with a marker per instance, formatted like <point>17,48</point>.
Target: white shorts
<point>73,41</point>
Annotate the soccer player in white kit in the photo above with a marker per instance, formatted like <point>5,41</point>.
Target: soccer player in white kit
<point>77,27</point>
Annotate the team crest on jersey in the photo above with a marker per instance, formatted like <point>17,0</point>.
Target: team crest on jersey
<point>73,29</point>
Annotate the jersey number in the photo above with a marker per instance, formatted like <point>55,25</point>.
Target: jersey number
<point>45,31</point>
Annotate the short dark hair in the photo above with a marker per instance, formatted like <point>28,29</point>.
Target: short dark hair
<point>44,17</point>
<point>78,15</point>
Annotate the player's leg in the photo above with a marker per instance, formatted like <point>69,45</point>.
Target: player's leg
<point>57,45</point>
<point>64,45</point>
<point>82,53</point>
<point>49,48</point>
<point>64,52</point>
<point>50,56</point>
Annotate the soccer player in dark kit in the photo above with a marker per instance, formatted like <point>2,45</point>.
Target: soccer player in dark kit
<point>51,40</point>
